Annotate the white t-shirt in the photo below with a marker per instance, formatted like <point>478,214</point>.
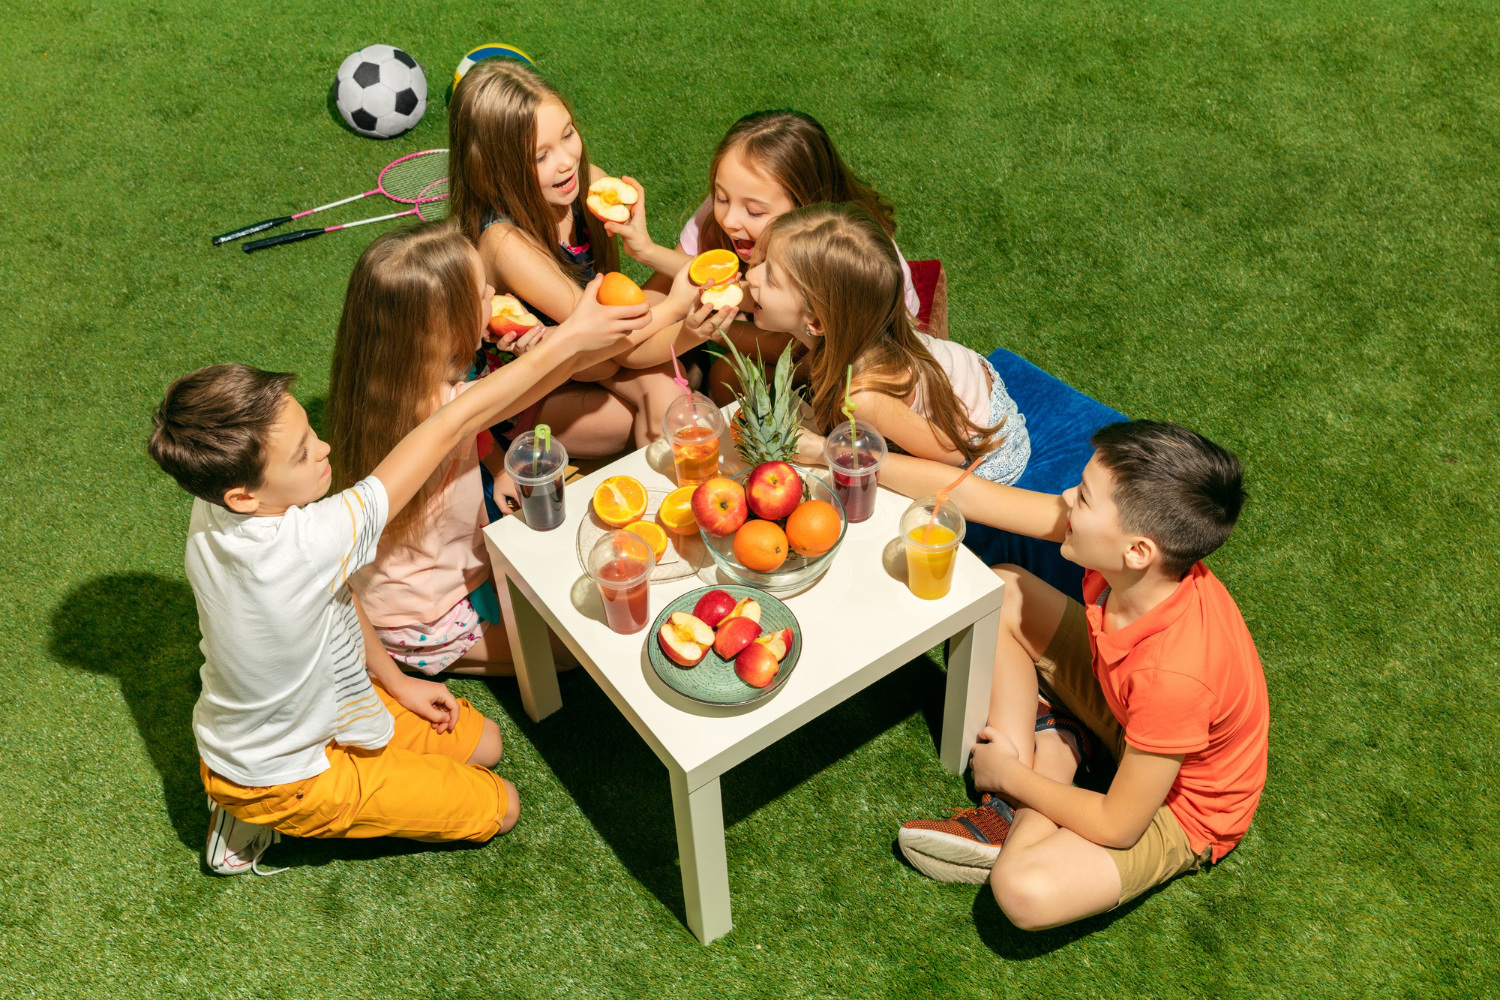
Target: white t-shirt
<point>284,660</point>
<point>689,243</point>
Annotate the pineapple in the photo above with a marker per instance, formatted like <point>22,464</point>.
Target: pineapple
<point>770,418</point>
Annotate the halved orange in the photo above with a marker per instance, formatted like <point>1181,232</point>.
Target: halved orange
<point>714,267</point>
<point>620,500</point>
<point>652,533</point>
<point>676,511</point>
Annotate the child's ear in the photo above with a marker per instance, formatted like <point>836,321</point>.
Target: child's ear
<point>1141,554</point>
<point>241,500</point>
<point>814,326</point>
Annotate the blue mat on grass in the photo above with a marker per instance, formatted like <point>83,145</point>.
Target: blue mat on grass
<point>1060,420</point>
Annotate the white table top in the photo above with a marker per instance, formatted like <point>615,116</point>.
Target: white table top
<point>859,621</point>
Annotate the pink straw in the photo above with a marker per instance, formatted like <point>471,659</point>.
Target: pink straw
<point>679,379</point>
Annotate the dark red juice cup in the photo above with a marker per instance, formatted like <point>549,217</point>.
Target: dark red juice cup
<point>854,456</point>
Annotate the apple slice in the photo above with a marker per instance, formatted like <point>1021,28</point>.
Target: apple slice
<point>748,607</point>
<point>610,198</point>
<point>722,296</point>
<point>756,665</point>
<point>734,635</point>
<point>713,607</point>
<point>779,643</point>
<point>509,317</point>
<point>685,639</point>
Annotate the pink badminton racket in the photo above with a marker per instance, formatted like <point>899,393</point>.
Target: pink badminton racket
<point>402,180</point>
<point>431,206</point>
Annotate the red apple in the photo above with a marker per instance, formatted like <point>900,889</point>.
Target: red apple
<point>779,643</point>
<point>610,199</point>
<point>719,505</point>
<point>748,607</point>
<point>756,665</point>
<point>774,490</point>
<point>508,317</point>
<point>734,635</point>
<point>713,607</point>
<point>685,639</point>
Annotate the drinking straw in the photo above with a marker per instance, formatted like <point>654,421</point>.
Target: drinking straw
<point>848,409</point>
<point>942,494</point>
<point>679,379</point>
<point>540,443</point>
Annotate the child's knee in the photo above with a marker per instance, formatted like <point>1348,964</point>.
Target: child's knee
<point>1023,892</point>
<point>512,807</point>
<point>490,747</point>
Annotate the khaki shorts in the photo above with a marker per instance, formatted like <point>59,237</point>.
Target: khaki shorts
<point>1066,675</point>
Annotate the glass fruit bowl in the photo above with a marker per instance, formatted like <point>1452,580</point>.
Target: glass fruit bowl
<point>798,572</point>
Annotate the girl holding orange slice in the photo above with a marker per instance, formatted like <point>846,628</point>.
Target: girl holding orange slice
<point>768,163</point>
<point>831,278</point>
<point>518,173</point>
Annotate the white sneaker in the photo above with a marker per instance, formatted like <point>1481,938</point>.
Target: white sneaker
<point>234,846</point>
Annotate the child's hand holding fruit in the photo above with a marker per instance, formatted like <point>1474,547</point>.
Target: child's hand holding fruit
<point>620,203</point>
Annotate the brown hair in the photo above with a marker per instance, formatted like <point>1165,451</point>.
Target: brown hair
<point>211,429</point>
<point>1173,486</point>
<point>796,152</point>
<point>847,269</point>
<point>408,328</point>
<point>492,161</point>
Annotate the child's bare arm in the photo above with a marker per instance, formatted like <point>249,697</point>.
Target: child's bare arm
<point>1040,515</point>
<point>592,334</point>
<point>1116,819</point>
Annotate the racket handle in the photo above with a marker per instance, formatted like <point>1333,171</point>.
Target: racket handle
<point>276,241</point>
<point>259,227</point>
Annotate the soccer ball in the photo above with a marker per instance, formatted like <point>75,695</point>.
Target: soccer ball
<point>382,91</point>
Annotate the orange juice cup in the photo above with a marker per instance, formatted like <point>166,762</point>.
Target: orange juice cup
<point>620,564</point>
<point>931,547</point>
<point>693,426</point>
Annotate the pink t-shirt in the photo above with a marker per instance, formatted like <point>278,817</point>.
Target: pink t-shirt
<point>422,580</point>
<point>965,369</point>
<point>689,243</point>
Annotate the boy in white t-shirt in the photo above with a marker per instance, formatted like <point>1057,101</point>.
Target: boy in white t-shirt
<point>305,725</point>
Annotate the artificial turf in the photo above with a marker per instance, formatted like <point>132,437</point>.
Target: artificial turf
<point>1273,222</point>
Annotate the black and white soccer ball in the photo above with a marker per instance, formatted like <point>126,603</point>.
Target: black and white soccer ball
<point>382,91</point>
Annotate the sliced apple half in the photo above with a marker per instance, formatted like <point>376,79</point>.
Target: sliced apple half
<point>686,640</point>
<point>610,198</point>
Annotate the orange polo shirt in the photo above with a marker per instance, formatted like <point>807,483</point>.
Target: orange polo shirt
<point>1184,678</point>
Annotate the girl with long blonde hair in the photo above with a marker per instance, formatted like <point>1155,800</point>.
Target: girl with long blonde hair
<point>830,277</point>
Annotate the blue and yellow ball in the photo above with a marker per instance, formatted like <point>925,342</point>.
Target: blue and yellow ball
<point>491,50</point>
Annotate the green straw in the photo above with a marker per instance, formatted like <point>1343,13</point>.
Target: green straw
<point>540,443</point>
<point>849,406</point>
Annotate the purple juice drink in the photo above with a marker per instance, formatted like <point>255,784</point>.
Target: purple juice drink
<point>854,455</point>
<point>537,464</point>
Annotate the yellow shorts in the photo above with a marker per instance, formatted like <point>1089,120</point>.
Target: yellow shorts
<point>1066,675</point>
<point>417,786</point>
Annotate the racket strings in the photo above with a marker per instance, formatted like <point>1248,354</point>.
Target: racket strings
<point>406,179</point>
<point>432,201</point>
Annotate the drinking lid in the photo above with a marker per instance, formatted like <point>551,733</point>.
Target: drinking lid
<point>615,545</point>
<point>535,457</point>
<point>920,513</point>
<point>695,410</point>
<point>865,440</point>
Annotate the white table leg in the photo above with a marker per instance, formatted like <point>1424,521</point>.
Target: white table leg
<point>700,846</point>
<point>971,668</point>
<point>531,651</point>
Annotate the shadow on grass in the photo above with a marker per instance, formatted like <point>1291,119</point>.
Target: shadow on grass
<point>624,791</point>
<point>1010,942</point>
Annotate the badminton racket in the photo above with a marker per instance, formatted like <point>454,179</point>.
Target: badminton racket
<point>431,206</point>
<point>401,180</point>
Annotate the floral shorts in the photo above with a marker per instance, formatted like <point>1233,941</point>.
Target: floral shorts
<point>435,646</point>
<point>1005,464</point>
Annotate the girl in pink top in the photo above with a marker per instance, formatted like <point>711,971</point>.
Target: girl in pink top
<point>830,277</point>
<point>414,314</point>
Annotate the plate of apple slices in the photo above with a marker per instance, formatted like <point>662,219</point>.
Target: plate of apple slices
<point>727,645</point>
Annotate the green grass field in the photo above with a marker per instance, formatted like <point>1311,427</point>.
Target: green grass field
<point>1273,222</point>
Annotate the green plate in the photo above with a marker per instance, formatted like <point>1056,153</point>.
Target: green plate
<point>713,681</point>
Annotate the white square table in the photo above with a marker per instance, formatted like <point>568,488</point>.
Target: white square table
<point>859,622</point>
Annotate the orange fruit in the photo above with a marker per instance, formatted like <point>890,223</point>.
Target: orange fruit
<point>676,512</point>
<point>618,290</point>
<point>813,528</point>
<point>652,533</point>
<point>714,267</point>
<point>760,545</point>
<point>619,500</point>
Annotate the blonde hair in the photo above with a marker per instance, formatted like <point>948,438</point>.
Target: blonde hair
<point>492,161</point>
<point>794,150</point>
<point>848,271</point>
<point>408,328</point>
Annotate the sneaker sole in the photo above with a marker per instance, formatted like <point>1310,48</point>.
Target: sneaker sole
<point>947,858</point>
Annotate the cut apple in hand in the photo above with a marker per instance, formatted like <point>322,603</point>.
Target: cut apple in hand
<point>777,642</point>
<point>610,198</point>
<point>686,640</point>
<point>748,607</point>
<point>722,296</point>
<point>713,607</point>
<point>756,665</point>
<point>734,635</point>
<point>509,318</point>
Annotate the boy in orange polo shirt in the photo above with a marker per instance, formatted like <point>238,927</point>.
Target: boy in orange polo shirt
<point>1157,670</point>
